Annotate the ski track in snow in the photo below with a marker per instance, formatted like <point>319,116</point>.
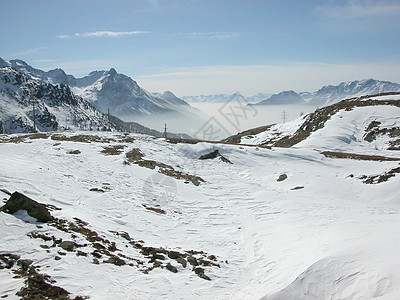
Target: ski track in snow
<point>332,238</point>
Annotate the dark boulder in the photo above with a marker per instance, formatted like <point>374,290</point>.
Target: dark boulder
<point>215,154</point>
<point>282,177</point>
<point>171,268</point>
<point>35,209</point>
<point>67,245</point>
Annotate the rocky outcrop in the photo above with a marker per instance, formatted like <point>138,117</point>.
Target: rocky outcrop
<point>215,154</point>
<point>34,209</point>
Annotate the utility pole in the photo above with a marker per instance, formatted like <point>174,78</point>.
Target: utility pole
<point>165,131</point>
<point>284,116</point>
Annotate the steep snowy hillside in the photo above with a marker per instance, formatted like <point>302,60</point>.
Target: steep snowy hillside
<point>29,95</point>
<point>120,95</point>
<point>362,122</point>
<point>25,101</point>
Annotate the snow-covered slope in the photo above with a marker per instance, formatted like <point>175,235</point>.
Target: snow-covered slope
<point>366,123</point>
<point>141,218</point>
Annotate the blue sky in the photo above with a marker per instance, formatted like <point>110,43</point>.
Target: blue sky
<point>197,47</point>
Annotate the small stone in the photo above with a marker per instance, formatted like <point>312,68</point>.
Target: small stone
<point>182,261</point>
<point>212,257</point>
<point>57,257</point>
<point>282,177</point>
<point>67,245</point>
<point>299,187</point>
<point>193,261</point>
<point>171,268</point>
<point>96,190</point>
<point>24,263</point>
<point>173,254</point>
<point>199,270</point>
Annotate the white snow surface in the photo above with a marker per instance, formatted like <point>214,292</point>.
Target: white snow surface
<point>335,238</point>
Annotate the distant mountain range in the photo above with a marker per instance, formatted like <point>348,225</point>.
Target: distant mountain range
<point>222,98</point>
<point>53,100</point>
<point>324,96</point>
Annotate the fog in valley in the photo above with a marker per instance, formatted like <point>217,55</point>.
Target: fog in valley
<point>220,120</point>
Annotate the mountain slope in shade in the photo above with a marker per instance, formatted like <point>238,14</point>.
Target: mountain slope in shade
<point>24,99</point>
<point>120,95</point>
<point>28,94</point>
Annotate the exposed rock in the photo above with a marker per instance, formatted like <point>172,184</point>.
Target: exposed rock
<point>115,260</point>
<point>215,154</point>
<point>155,209</point>
<point>134,155</point>
<point>282,177</point>
<point>374,179</point>
<point>97,190</point>
<point>200,272</point>
<point>5,192</point>
<point>212,257</point>
<point>182,261</point>
<point>193,261</point>
<point>171,268</point>
<point>67,245</point>
<point>74,152</point>
<point>113,150</point>
<point>299,187</point>
<point>35,209</point>
<point>173,254</point>
<point>24,263</point>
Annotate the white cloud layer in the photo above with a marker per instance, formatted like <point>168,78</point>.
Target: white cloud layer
<point>100,34</point>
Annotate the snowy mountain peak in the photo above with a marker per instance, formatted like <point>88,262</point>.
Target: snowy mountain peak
<point>331,94</point>
<point>285,97</point>
<point>4,63</point>
<point>112,72</point>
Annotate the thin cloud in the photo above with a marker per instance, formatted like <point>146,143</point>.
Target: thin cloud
<point>30,51</point>
<point>103,34</point>
<point>361,9</point>
<point>359,16</point>
<point>220,35</point>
